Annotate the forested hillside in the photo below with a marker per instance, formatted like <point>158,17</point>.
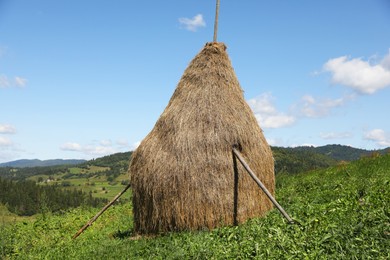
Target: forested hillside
<point>114,164</point>
<point>292,160</point>
<point>26,190</point>
<point>341,152</point>
<point>26,198</point>
<point>307,158</point>
<point>30,190</point>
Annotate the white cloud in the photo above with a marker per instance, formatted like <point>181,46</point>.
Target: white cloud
<point>90,150</point>
<point>6,82</point>
<point>266,113</point>
<point>303,145</point>
<point>385,63</point>
<point>5,142</point>
<point>360,75</point>
<point>122,142</point>
<point>20,82</point>
<point>97,148</point>
<point>378,136</point>
<point>193,24</point>
<point>335,135</point>
<point>135,145</point>
<point>272,141</point>
<point>276,141</point>
<point>275,121</point>
<point>106,142</point>
<point>7,129</point>
<point>71,147</point>
<point>9,149</point>
<point>315,108</point>
<point>307,107</point>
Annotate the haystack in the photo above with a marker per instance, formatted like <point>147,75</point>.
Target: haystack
<point>182,173</point>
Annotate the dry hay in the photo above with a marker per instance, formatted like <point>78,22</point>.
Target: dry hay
<point>182,173</point>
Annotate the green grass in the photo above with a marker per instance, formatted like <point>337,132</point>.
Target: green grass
<point>103,189</point>
<point>341,213</point>
<point>99,187</point>
<point>91,169</point>
<point>97,184</point>
<point>8,218</point>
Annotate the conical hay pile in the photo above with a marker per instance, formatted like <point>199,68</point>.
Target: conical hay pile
<point>182,173</point>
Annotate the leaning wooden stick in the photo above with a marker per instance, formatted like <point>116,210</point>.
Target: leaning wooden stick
<point>261,185</point>
<point>101,212</point>
<point>216,21</point>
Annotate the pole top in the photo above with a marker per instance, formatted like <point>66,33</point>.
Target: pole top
<point>216,21</point>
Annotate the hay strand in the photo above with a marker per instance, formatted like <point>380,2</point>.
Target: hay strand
<point>182,173</point>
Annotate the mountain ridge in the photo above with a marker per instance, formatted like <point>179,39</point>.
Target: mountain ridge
<point>22,163</point>
<point>335,152</point>
<point>341,152</point>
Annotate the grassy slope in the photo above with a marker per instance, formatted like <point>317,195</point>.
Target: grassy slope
<point>97,184</point>
<point>7,217</point>
<point>343,213</point>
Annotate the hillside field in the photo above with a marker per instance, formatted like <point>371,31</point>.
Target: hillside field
<point>341,212</point>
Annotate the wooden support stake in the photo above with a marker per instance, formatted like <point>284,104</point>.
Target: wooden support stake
<point>101,212</point>
<point>261,185</point>
<point>216,21</point>
<point>235,192</point>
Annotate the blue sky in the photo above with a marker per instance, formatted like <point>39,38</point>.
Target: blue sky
<point>82,79</point>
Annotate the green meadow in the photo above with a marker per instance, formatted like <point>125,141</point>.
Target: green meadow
<point>340,212</point>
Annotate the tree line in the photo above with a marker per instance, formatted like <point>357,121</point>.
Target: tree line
<point>293,160</point>
<point>26,198</point>
<point>23,173</point>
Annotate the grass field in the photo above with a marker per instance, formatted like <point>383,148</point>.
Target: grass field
<point>86,179</point>
<point>341,212</point>
<point>8,218</point>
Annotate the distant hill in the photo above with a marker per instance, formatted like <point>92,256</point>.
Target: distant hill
<point>39,163</point>
<point>287,159</point>
<point>293,160</point>
<point>341,152</point>
<point>307,158</point>
<point>111,160</point>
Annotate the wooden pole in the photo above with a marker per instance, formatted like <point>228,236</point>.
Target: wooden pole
<point>261,185</point>
<point>235,192</point>
<point>101,212</point>
<point>216,22</point>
